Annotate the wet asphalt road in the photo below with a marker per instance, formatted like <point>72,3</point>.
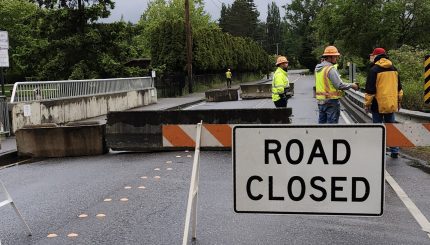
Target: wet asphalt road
<point>52,193</point>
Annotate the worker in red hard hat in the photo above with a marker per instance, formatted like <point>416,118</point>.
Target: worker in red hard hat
<point>384,92</point>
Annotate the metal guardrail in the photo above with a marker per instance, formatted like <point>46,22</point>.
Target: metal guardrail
<point>52,90</point>
<point>357,98</point>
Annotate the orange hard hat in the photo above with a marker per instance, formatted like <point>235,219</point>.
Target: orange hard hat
<point>331,51</point>
<point>281,59</point>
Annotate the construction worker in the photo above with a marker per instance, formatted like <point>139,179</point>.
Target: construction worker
<point>329,87</point>
<point>228,76</point>
<point>280,83</point>
<point>384,92</point>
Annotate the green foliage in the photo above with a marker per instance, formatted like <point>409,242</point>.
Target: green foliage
<point>274,29</point>
<point>409,62</point>
<point>299,19</point>
<point>389,24</point>
<point>240,19</point>
<point>213,50</point>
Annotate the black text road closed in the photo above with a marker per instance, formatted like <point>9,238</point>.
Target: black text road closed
<point>327,170</point>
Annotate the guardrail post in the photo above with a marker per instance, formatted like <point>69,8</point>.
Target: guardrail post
<point>193,193</point>
<point>427,83</point>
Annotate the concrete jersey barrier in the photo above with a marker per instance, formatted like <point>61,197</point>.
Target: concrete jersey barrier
<point>158,130</point>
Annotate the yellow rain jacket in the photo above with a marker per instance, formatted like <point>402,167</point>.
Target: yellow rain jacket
<point>383,87</point>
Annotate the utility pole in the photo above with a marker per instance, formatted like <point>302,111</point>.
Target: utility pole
<point>189,44</point>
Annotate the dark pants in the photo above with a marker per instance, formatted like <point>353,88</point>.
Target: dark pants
<point>329,112</point>
<point>281,103</point>
<point>385,118</point>
<point>228,82</point>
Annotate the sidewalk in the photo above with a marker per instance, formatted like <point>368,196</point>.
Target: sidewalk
<point>7,145</point>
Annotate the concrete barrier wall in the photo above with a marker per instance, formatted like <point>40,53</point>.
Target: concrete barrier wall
<point>142,130</point>
<point>256,91</point>
<point>65,141</point>
<point>260,91</point>
<point>68,110</point>
<point>219,95</point>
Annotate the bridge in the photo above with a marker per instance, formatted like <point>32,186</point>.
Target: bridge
<point>127,196</point>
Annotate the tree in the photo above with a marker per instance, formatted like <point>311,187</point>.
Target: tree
<point>389,24</point>
<point>299,18</point>
<point>17,18</point>
<point>274,29</point>
<point>240,19</point>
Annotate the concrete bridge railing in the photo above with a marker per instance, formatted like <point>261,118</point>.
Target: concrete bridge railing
<point>36,103</point>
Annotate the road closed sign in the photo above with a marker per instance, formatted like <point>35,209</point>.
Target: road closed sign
<point>321,170</point>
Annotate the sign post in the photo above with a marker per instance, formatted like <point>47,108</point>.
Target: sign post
<point>4,55</point>
<point>317,170</point>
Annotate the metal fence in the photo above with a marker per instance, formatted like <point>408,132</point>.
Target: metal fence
<point>4,116</point>
<point>50,90</point>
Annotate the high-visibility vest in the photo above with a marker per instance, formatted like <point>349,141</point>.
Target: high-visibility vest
<point>279,83</point>
<point>324,87</point>
<point>228,74</point>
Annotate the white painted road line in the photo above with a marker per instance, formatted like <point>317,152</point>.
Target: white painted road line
<point>409,204</point>
<point>413,209</point>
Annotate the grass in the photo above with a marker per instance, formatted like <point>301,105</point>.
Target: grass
<point>422,153</point>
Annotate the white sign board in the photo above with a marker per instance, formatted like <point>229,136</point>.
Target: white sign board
<point>312,169</point>
<point>153,74</point>
<point>4,58</point>
<point>4,40</point>
<point>27,111</point>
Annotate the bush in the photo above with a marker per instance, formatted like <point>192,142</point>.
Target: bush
<point>409,63</point>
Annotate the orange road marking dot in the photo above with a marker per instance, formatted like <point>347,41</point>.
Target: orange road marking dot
<point>141,187</point>
<point>83,216</point>
<point>127,187</point>
<point>169,169</point>
<point>123,199</point>
<point>72,235</point>
<point>157,177</point>
<point>51,235</point>
<point>107,200</point>
<point>101,215</point>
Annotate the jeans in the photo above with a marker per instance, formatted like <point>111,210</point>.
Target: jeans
<point>329,112</point>
<point>385,118</point>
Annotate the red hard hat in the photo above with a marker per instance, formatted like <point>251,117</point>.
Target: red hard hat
<point>378,51</point>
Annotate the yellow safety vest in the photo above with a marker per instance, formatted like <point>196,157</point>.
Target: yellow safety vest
<point>324,87</point>
<point>228,74</point>
<point>279,83</point>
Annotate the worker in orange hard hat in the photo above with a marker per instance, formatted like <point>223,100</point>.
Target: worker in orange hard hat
<point>329,86</point>
<point>280,83</point>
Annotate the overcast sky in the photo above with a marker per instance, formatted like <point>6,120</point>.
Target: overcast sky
<point>133,9</point>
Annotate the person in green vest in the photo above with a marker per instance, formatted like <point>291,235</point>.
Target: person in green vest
<point>228,76</point>
<point>329,87</point>
<point>280,83</point>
